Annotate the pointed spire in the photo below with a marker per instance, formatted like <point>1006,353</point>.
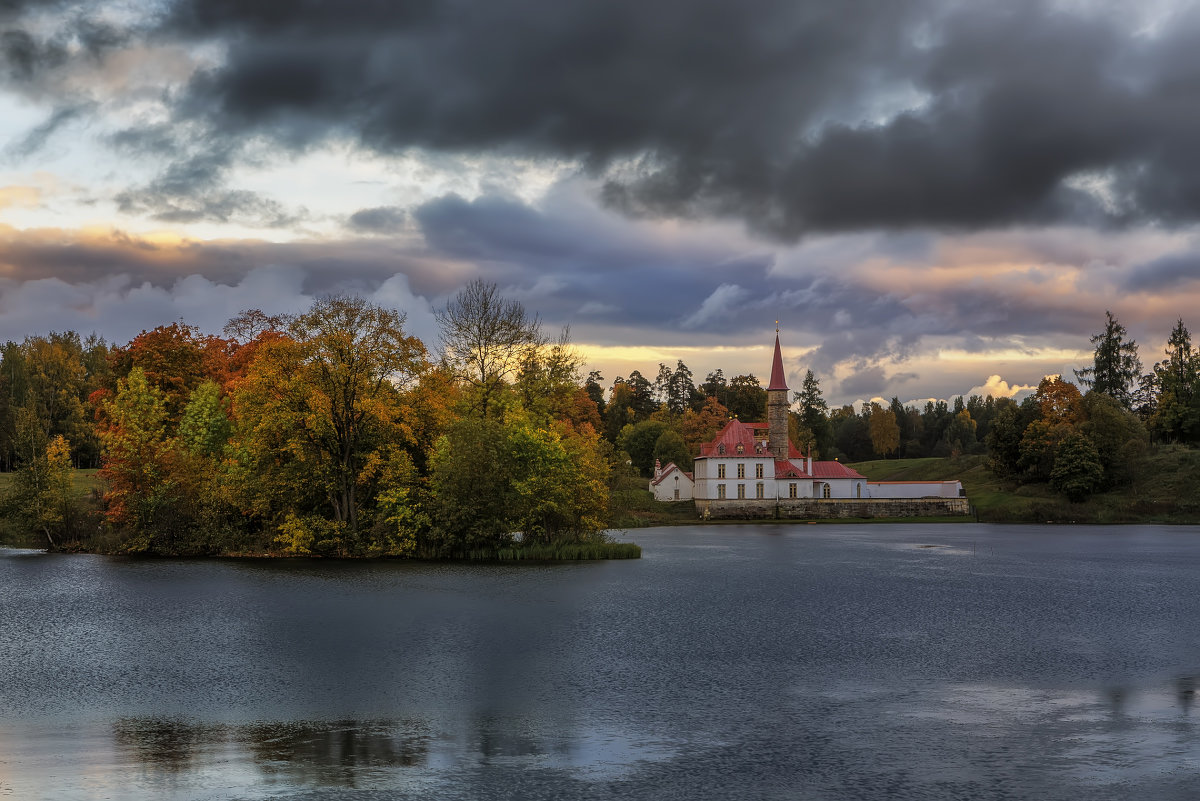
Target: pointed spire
<point>777,380</point>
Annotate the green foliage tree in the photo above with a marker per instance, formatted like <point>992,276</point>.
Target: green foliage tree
<point>716,386</point>
<point>494,477</point>
<point>1004,439</point>
<point>1077,469</point>
<point>639,440</point>
<point>814,414</point>
<point>670,447</point>
<point>960,433</point>
<point>747,399</point>
<point>1176,414</point>
<point>40,497</point>
<point>1110,428</point>
<point>1116,368</point>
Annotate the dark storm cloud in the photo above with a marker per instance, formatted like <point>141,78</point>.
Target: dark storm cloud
<point>1164,273</point>
<point>572,263</point>
<point>792,115</point>
<point>795,116</point>
<point>866,382</point>
<point>192,189</point>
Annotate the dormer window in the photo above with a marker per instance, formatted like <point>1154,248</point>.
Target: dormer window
<point>741,448</point>
<point>721,449</point>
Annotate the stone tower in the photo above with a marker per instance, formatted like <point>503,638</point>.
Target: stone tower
<point>777,406</point>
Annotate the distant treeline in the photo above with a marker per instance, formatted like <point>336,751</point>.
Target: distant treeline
<point>1080,443</point>
<point>334,432</point>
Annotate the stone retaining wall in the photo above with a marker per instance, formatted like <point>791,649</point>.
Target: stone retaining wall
<point>822,509</point>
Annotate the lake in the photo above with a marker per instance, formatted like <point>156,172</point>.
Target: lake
<point>730,662</point>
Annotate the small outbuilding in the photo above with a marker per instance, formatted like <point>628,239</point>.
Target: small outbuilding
<point>671,484</point>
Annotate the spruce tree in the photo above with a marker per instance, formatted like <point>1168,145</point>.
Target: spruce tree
<point>1116,369</point>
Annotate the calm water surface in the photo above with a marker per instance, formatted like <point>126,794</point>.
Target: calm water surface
<point>755,662</point>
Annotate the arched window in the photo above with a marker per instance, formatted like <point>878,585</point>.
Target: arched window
<point>826,491</point>
<point>858,489</point>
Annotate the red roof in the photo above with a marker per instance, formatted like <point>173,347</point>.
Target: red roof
<point>777,380</point>
<point>733,434</point>
<point>834,470</point>
<point>671,467</point>
<point>785,469</point>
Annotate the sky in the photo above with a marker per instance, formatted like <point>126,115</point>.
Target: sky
<point>932,197</point>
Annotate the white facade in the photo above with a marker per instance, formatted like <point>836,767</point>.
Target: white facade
<point>916,489</point>
<point>671,484</point>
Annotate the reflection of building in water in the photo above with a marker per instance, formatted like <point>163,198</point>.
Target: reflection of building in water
<point>754,470</point>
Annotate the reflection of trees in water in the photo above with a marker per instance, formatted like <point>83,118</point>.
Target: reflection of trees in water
<point>166,743</point>
<point>336,753</point>
<point>324,753</point>
<point>1185,686</point>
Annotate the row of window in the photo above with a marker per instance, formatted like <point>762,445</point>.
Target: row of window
<point>760,491</point>
<point>741,471</point>
<point>793,491</point>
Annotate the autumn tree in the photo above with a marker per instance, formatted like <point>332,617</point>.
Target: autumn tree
<point>133,432</point>
<point>547,383</point>
<point>485,339</point>
<point>316,404</point>
<point>885,432</point>
<point>1116,368</point>
<point>701,425</point>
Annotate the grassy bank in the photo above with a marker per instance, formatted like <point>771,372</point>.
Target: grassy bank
<point>1165,489</point>
<point>88,488</point>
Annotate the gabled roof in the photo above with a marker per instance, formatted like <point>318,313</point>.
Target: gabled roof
<point>671,467</point>
<point>777,380</point>
<point>785,469</point>
<point>733,434</point>
<point>834,470</point>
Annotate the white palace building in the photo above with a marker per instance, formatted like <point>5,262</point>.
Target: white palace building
<point>753,470</point>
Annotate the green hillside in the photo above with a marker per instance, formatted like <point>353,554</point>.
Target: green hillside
<point>1165,489</point>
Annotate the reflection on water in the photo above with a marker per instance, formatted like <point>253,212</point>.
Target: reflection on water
<point>337,753</point>
<point>750,662</point>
